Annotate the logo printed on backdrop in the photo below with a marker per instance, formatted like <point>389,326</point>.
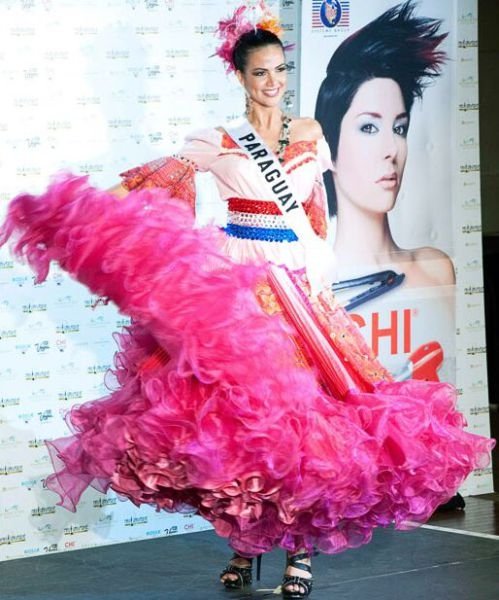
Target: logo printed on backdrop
<point>330,14</point>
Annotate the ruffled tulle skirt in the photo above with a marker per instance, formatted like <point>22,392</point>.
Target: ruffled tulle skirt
<point>239,396</point>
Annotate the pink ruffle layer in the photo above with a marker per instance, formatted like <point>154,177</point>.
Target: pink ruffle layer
<point>230,425</point>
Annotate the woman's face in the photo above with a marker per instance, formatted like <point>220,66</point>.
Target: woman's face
<point>265,75</point>
<point>372,148</point>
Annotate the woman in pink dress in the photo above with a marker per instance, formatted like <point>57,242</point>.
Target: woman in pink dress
<point>246,394</point>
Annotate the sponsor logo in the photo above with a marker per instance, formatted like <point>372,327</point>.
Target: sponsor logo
<point>92,168</point>
<point>471,229</point>
<point>208,97</point>
<point>466,106</point>
<point>468,18</point>
<point>7,470</point>
<point>467,44</point>
<point>330,14</point>
<point>7,375</point>
<point>7,334</point>
<point>58,278</point>
<point>147,30</point>
<point>56,55</point>
<point>31,73</point>
<point>8,540</point>
<point>202,29</point>
<point>42,346</point>
<point>68,368</point>
<point>105,520</point>
<point>36,375</point>
<point>156,137</point>
<point>103,502</point>
<point>9,442</point>
<point>85,30</point>
<point>469,143</point>
<point>118,54</point>
<point>75,529</point>
<point>45,415</point>
<point>23,348</point>
<point>179,121</point>
<point>149,99</point>
<point>22,31</point>
<point>32,308</point>
<point>42,511</point>
<point>8,402</point>
<point>134,521</point>
<point>396,327</point>
<point>26,102</point>
<point>68,396</point>
<point>177,53</point>
<point>475,325</point>
<point>473,265</point>
<point>61,344</point>
<point>173,530</point>
<point>469,81</point>
<point>471,203</point>
<point>482,472</point>
<point>98,369</point>
<point>56,125</point>
<point>115,124</point>
<point>475,168</point>
<point>36,443</point>
<point>473,289</point>
<point>65,328</point>
<point>20,280</point>
<point>474,350</point>
<point>153,533</point>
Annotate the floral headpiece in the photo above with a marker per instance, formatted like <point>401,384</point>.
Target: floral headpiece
<point>248,17</point>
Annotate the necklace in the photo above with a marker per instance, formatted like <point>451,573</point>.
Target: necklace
<point>283,141</point>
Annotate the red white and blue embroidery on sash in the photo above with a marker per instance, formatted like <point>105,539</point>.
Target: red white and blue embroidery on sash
<point>257,220</point>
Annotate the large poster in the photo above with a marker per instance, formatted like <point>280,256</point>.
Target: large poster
<point>394,86</point>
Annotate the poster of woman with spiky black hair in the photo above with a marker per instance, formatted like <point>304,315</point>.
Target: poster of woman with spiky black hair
<point>389,83</point>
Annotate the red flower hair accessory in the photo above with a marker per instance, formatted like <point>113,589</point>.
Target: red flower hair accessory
<point>245,18</point>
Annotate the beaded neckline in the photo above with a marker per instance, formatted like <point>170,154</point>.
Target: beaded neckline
<point>283,142</point>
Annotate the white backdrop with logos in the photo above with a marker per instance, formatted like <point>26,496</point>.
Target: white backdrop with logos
<point>95,87</point>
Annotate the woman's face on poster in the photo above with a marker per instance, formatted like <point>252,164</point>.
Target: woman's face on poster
<point>372,147</point>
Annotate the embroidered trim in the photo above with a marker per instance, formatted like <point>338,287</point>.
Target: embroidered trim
<point>252,220</point>
<point>291,151</point>
<point>261,233</point>
<point>255,213</point>
<point>261,207</point>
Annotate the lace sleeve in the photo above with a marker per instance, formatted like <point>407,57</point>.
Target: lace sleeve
<point>172,173</point>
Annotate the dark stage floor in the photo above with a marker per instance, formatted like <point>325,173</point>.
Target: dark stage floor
<point>455,558</point>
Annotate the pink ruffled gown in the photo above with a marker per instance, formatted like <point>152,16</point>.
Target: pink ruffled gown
<point>241,395</point>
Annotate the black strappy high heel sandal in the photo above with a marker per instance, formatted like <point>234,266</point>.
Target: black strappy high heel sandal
<point>288,581</point>
<point>244,574</point>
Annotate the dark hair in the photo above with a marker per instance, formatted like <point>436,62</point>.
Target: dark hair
<point>396,45</point>
<point>252,40</point>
